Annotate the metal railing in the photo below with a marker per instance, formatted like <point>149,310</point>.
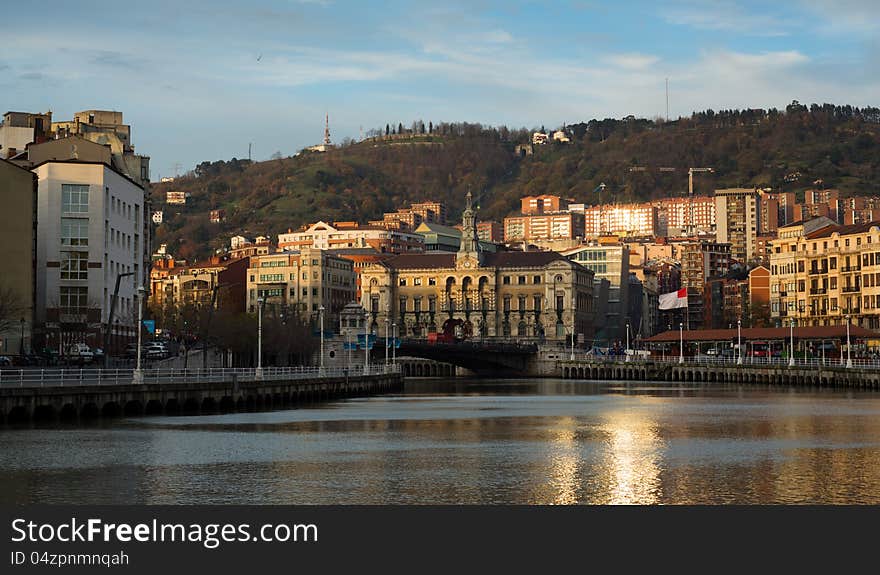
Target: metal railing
<point>37,377</point>
<point>731,361</point>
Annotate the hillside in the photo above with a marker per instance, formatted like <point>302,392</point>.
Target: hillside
<point>788,150</point>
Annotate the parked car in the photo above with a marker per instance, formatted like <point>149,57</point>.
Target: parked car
<point>155,350</point>
<point>80,352</point>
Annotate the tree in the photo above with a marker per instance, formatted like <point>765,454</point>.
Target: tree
<point>759,313</point>
<point>387,129</point>
<point>400,127</point>
<point>12,309</point>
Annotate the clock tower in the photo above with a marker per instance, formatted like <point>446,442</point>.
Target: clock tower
<point>469,255</point>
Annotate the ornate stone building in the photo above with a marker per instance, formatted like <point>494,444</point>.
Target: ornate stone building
<point>473,294</point>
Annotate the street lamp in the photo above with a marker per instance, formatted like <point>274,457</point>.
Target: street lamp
<point>258,374</point>
<point>739,342</point>
<point>394,344</point>
<point>366,343</point>
<point>680,342</point>
<point>848,346</point>
<point>791,355</point>
<point>387,327</point>
<point>321,316</point>
<point>626,351</point>
<point>138,376</point>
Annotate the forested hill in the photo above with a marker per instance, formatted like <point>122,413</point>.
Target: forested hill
<point>786,150</point>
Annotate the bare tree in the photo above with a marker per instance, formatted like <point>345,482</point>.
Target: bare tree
<point>12,309</point>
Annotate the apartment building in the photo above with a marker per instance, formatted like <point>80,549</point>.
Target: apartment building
<point>543,227</point>
<point>737,221</point>
<point>18,129</point>
<point>543,204</point>
<point>18,235</point>
<point>638,220</point>
<point>825,276</point>
<point>91,222</point>
<point>176,286</point>
<point>343,235</point>
<point>681,216</point>
<point>302,281</point>
<point>608,262</point>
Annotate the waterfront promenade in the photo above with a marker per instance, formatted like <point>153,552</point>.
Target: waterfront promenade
<point>71,393</point>
<point>859,373</point>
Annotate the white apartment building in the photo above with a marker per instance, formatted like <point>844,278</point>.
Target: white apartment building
<point>622,220</point>
<point>343,235</point>
<point>90,229</point>
<point>736,221</point>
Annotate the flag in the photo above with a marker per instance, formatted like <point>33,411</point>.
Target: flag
<point>673,300</point>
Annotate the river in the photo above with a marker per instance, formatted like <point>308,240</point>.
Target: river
<point>472,442</point>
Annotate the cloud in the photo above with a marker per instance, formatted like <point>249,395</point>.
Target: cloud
<point>31,76</point>
<point>845,16</point>
<point>723,15</point>
<point>633,61</point>
<point>497,37</point>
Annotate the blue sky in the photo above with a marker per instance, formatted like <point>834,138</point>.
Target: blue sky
<point>199,80</point>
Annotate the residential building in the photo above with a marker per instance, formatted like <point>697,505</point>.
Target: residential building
<point>176,198</point>
<point>474,294</point>
<point>638,220</point>
<point>175,286</point>
<point>440,238</point>
<point>490,232</point>
<point>544,204</point>
<point>736,221</point>
<point>340,235</point>
<point>301,281</point>
<point>91,222</point>
<point>18,235</point>
<point>608,262</point>
<point>18,129</point>
<point>681,216</point>
<point>828,275</point>
<point>107,127</point>
<point>544,228</point>
<point>218,216</point>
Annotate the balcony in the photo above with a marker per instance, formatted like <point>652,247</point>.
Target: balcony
<point>815,272</point>
<point>850,289</point>
<point>818,291</point>
<point>850,269</point>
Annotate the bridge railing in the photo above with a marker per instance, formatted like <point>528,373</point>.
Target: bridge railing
<point>810,362</point>
<point>36,377</point>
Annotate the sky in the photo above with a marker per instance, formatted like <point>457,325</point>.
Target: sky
<point>201,80</point>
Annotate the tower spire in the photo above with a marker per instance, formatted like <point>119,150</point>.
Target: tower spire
<point>470,243</point>
<point>327,129</point>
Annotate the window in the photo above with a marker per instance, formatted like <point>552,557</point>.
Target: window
<point>402,305</point>
<point>315,292</point>
<point>506,303</point>
<point>833,283</point>
<point>74,299</point>
<point>74,232</point>
<point>521,280</point>
<point>432,281</point>
<point>560,302</point>
<point>536,279</point>
<point>506,280</point>
<point>417,281</point>
<point>74,199</point>
<point>537,300</point>
<point>74,265</point>
<point>402,282</point>
<point>432,305</point>
<point>417,304</point>
<point>374,305</point>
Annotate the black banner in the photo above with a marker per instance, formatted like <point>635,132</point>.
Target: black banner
<point>238,539</point>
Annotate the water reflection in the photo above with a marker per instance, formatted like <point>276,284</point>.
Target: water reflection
<point>632,459</point>
<point>539,442</point>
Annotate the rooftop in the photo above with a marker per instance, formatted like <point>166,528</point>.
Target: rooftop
<point>763,334</point>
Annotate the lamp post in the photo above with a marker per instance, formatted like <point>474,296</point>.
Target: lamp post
<point>571,357</point>
<point>321,316</point>
<point>848,346</point>
<point>387,328</point>
<point>366,343</point>
<point>138,375</point>
<point>791,355</point>
<point>626,351</point>
<point>680,342</point>
<point>258,374</point>
<point>394,344</point>
<point>739,342</point>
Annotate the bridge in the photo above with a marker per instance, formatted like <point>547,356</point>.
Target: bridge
<point>483,358</point>
<point>81,393</point>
